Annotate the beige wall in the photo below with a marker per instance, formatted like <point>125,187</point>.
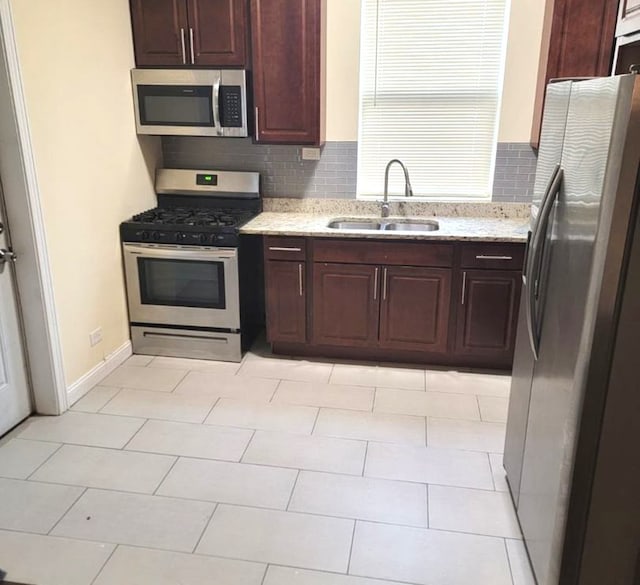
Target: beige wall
<point>75,57</point>
<point>523,49</point>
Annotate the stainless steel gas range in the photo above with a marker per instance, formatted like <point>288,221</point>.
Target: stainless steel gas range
<point>193,283</point>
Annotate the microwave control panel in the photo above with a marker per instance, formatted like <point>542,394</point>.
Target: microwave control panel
<point>231,106</point>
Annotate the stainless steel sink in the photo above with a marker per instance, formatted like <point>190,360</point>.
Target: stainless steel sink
<point>413,226</point>
<point>398,225</point>
<point>355,224</point>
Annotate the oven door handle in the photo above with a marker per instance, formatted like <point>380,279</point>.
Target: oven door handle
<point>180,254</point>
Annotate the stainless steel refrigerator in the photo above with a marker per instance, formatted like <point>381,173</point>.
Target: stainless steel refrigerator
<point>572,452</point>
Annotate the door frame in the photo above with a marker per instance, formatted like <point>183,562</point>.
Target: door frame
<point>41,337</point>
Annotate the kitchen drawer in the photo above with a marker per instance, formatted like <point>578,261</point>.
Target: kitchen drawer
<point>387,253</point>
<point>285,248</point>
<point>493,256</point>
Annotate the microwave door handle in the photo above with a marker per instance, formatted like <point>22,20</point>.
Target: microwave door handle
<point>216,106</point>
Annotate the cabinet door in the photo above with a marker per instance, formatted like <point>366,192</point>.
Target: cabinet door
<point>286,305</point>
<point>414,313</point>
<point>487,317</point>
<point>217,31</point>
<point>160,31</point>
<point>346,304</point>
<point>287,63</point>
<point>577,41</point>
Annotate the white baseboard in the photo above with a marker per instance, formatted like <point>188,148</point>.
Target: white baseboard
<point>94,376</point>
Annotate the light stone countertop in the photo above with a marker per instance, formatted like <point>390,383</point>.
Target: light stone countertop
<point>469,222</point>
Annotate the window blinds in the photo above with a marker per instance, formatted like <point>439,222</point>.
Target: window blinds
<point>430,85</point>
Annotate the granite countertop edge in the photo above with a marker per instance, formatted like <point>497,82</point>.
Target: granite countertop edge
<point>474,229</point>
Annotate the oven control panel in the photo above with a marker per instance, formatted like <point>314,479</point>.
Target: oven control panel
<point>161,236</point>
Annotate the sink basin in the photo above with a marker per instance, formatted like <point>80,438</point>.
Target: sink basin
<point>398,225</point>
<point>355,224</point>
<point>413,226</point>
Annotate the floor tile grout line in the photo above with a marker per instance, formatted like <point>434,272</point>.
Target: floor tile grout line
<point>164,477</point>
<point>493,479</point>
<point>264,575</point>
<point>217,505</point>
<point>315,422</point>
<point>506,552</point>
<point>253,434</point>
<point>293,489</point>
<point>105,564</point>
<point>353,539</point>
<point>186,373</point>
<point>124,447</point>
<point>206,527</point>
<point>364,459</point>
<point>312,471</point>
<point>216,402</point>
<point>44,462</point>
<point>82,493</point>
<point>426,485</point>
<point>120,389</point>
<point>275,391</point>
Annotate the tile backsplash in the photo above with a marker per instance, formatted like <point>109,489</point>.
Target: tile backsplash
<point>285,174</point>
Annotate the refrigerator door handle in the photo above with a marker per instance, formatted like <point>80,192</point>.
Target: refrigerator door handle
<point>532,234</point>
<point>534,264</point>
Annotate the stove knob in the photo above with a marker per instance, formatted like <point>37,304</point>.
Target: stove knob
<point>180,237</point>
<point>155,236</point>
<point>144,235</point>
<point>204,239</point>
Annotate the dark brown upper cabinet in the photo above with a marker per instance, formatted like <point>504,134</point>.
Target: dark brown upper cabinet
<point>577,41</point>
<point>288,44</point>
<point>170,33</point>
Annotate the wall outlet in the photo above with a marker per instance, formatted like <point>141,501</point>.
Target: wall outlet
<point>95,336</point>
<point>310,154</point>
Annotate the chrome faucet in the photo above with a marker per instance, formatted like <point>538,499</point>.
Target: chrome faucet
<point>408,191</point>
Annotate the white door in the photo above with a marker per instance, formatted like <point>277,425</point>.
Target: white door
<point>15,401</point>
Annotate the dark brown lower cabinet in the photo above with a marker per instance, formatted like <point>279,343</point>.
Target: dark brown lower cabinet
<point>441,303</point>
<point>488,315</point>
<point>286,304</point>
<point>346,304</point>
<point>415,308</point>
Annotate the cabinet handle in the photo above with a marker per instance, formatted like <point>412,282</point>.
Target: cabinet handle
<point>375,285</point>
<point>184,48</point>
<point>482,257</point>
<point>300,279</point>
<point>464,286</point>
<point>384,285</point>
<point>193,57</point>
<point>257,125</point>
<point>278,249</point>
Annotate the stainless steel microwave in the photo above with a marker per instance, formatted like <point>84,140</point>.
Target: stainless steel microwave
<point>190,102</point>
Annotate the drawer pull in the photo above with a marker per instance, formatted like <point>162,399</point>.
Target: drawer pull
<point>384,285</point>
<point>300,283</point>
<point>483,257</point>
<point>464,286</point>
<point>375,285</point>
<point>277,249</point>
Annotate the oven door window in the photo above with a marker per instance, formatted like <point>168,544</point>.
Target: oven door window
<point>176,105</point>
<point>182,283</point>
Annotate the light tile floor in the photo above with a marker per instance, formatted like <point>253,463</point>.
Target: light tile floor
<point>270,472</point>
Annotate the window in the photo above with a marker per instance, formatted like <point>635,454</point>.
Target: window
<point>430,84</point>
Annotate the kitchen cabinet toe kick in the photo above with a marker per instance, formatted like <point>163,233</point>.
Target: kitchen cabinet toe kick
<point>431,303</point>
